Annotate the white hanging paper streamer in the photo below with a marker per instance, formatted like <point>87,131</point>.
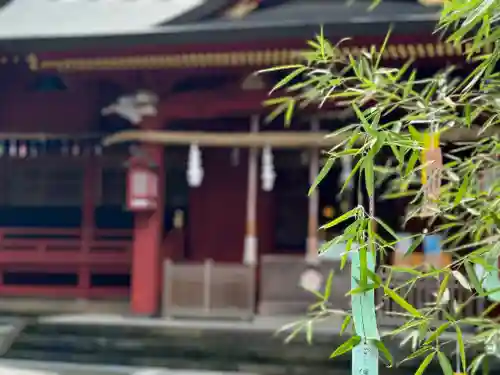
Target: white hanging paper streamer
<point>23,150</point>
<point>75,149</point>
<point>268,175</point>
<point>33,150</point>
<point>12,149</point>
<point>195,169</point>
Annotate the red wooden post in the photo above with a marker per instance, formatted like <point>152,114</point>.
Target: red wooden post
<point>90,183</point>
<point>146,248</point>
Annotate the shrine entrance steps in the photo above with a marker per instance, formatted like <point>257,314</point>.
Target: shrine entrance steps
<point>248,347</point>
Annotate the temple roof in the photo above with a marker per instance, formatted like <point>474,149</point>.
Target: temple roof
<point>338,11</point>
<point>339,17</point>
<point>25,19</point>
<point>62,24</point>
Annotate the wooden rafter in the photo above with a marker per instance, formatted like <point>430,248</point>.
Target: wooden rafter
<point>236,59</point>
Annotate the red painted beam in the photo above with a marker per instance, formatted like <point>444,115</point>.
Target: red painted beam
<point>213,104</point>
<point>63,258</point>
<point>203,104</point>
<point>115,269</point>
<point>63,292</point>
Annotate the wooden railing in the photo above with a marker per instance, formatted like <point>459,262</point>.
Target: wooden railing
<point>280,290</point>
<point>423,294</point>
<point>281,293</point>
<point>64,251</point>
<point>208,289</point>
<point>20,246</point>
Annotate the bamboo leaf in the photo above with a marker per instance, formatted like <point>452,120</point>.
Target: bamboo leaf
<point>364,122</point>
<point>490,309</point>
<point>410,166</point>
<point>425,363</point>
<point>309,332</point>
<point>418,240</point>
<point>468,115</point>
<point>278,110</point>
<point>461,279</point>
<point>345,324</point>
<point>405,327</point>
<point>383,47</point>
<point>346,346</point>
<point>351,175</point>
<point>397,154</point>
<point>328,287</point>
<point>476,362</point>
<point>321,39</point>
<point>462,189</point>
<point>322,174</point>
<point>377,280</point>
<point>445,364</point>
<point>411,271</point>
<point>486,366</point>
<point>341,218</point>
<point>417,353</point>
<point>383,349</point>
<point>343,260</point>
<point>289,112</point>
<point>279,68</point>
<point>387,228</point>
<point>361,289</point>
<point>297,328</point>
<point>416,135</point>
<point>288,78</point>
<point>369,178</point>
<point>402,302</point>
<point>437,333</point>
<point>443,287</point>
<point>274,101</point>
<point>461,347</point>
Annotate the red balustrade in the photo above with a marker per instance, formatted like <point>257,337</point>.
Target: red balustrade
<point>64,251</point>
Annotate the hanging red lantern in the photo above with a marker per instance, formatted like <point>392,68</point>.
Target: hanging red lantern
<point>142,185</point>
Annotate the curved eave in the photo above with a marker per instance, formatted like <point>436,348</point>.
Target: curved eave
<point>227,32</point>
<point>33,19</point>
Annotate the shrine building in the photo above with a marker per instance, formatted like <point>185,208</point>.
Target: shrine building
<point>195,204</point>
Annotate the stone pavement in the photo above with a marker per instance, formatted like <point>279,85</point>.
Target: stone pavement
<point>256,332</point>
<point>12,367</point>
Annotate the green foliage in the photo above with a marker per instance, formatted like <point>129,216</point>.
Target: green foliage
<point>391,106</point>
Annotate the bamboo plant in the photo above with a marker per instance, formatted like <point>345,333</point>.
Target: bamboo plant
<point>399,110</point>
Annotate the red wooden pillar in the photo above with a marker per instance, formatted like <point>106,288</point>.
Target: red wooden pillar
<point>91,180</point>
<point>147,239</point>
